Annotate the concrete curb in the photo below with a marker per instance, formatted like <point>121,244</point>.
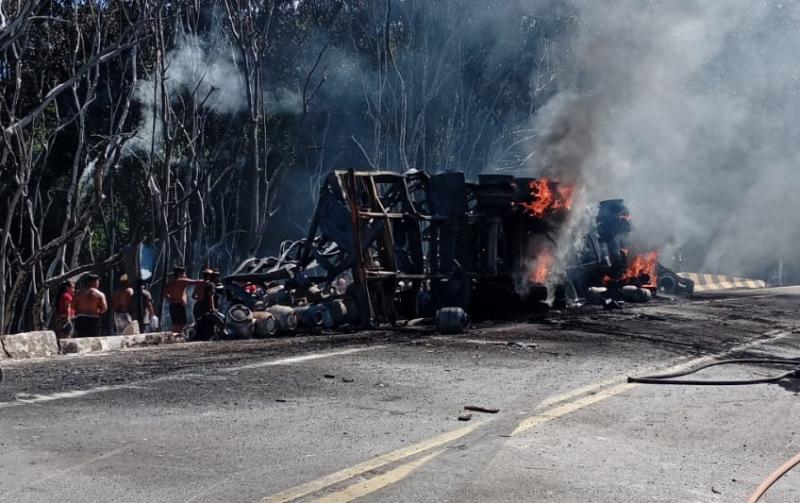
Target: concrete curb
<point>83,345</point>
<point>28,345</point>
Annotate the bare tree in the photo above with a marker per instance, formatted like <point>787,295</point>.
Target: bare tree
<point>250,22</point>
<point>30,255</point>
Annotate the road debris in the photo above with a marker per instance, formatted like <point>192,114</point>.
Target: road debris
<point>515,344</point>
<point>477,408</point>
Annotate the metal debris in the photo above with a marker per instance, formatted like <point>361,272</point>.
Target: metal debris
<point>383,247</point>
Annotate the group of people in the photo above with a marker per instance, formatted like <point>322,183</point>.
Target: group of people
<point>79,313</point>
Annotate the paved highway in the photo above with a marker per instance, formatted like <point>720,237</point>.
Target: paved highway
<point>374,416</point>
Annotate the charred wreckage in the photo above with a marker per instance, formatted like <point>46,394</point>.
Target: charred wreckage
<point>384,248</point>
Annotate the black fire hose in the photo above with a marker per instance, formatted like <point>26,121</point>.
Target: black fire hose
<point>670,378</point>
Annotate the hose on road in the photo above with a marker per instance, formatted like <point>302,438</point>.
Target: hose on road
<point>671,378</point>
<point>774,476</point>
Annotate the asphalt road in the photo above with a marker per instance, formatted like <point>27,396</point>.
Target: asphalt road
<point>374,416</point>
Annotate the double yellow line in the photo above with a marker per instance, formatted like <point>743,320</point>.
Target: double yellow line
<point>373,464</point>
<point>377,482</point>
<point>548,410</point>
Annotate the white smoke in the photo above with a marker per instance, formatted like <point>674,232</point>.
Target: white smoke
<point>283,100</point>
<point>689,110</point>
<point>203,69</point>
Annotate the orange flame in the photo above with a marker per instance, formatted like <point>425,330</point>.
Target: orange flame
<point>642,265</point>
<point>543,263</point>
<point>546,201</point>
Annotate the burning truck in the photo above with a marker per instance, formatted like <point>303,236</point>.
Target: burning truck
<point>384,248</point>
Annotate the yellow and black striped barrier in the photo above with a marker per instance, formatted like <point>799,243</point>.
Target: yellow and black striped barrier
<point>708,282</point>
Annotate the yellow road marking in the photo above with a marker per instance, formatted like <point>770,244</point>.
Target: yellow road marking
<point>548,415</point>
<point>569,407</point>
<point>620,379</point>
<point>589,388</point>
<point>526,424</point>
<point>704,282</point>
<point>334,478</point>
<point>342,475</point>
<point>724,282</point>
<point>375,483</point>
<point>709,281</point>
<point>360,489</point>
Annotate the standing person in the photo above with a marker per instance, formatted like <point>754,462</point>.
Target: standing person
<point>175,293</point>
<point>89,305</point>
<point>221,303</point>
<point>219,290</point>
<point>121,304</point>
<point>203,295</point>
<point>64,312</point>
<point>149,318</point>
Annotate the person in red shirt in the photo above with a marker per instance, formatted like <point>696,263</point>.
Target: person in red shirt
<point>64,311</point>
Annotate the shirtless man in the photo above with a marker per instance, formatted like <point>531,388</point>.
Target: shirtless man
<point>121,303</point>
<point>175,293</point>
<point>89,305</point>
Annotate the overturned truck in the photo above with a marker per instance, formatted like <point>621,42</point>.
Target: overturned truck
<point>384,247</point>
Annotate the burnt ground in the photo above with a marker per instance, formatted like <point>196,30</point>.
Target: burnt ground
<point>299,417</point>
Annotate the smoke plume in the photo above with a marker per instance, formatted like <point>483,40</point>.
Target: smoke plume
<point>203,69</point>
<point>687,109</point>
